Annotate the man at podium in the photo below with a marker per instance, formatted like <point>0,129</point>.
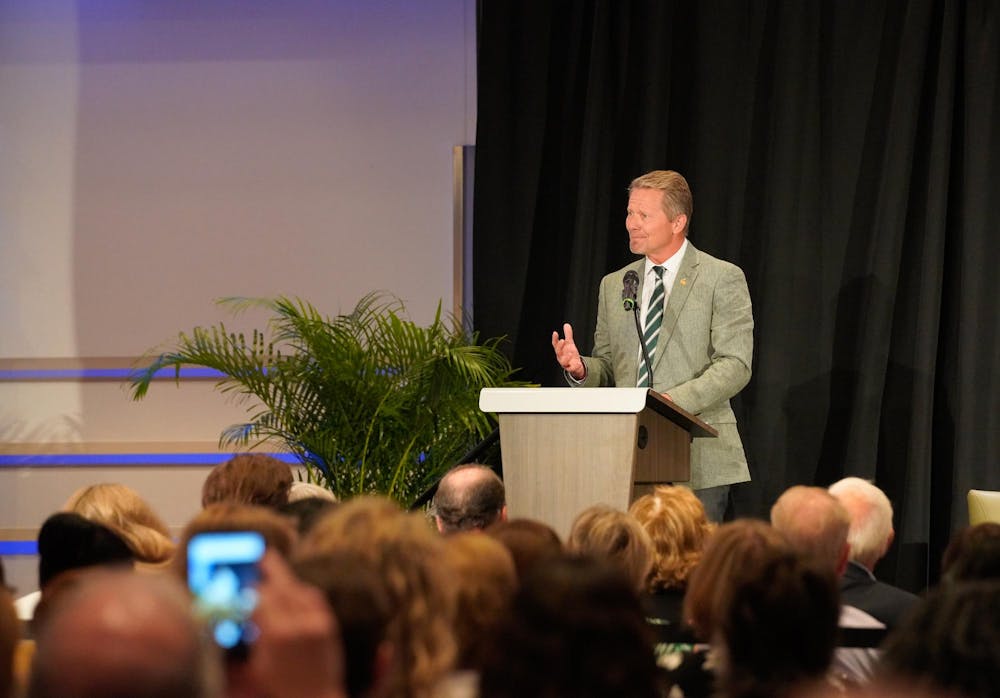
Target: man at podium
<point>694,315</point>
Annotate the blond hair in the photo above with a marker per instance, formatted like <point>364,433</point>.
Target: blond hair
<point>675,520</point>
<point>613,535</point>
<point>125,512</point>
<point>677,199</point>
<point>408,553</point>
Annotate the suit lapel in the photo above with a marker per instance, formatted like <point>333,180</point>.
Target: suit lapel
<point>679,292</point>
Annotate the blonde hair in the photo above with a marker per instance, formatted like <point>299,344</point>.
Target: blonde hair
<point>613,535</point>
<point>677,199</point>
<point>675,520</point>
<point>408,554</point>
<point>125,512</point>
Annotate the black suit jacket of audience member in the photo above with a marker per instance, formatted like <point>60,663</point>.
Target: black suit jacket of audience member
<point>860,589</point>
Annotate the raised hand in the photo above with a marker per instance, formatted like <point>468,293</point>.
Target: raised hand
<point>567,354</point>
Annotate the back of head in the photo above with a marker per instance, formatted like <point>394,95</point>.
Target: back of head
<point>576,628</point>
<point>973,554</point>
<point>528,541</point>
<point>309,490</point>
<point>485,581</point>
<point>360,600</point>
<point>118,635</point>
<point>304,513</point>
<point>278,532</point>
<point>949,643</point>
<point>248,478</point>
<point>728,561</point>
<point>675,520</point>
<point>604,532</point>
<point>870,513</point>
<point>406,552</point>
<point>124,511</point>
<point>815,524</point>
<point>779,627</point>
<point>469,497</point>
<point>68,541</point>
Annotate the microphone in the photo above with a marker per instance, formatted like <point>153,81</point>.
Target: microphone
<point>630,289</point>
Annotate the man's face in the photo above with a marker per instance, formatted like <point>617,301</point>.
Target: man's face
<point>650,231</point>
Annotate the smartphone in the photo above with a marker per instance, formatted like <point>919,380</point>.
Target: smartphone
<point>223,572</point>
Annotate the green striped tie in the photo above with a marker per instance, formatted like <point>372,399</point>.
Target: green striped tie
<point>651,333</point>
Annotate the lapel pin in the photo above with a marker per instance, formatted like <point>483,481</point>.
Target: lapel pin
<point>684,282</point>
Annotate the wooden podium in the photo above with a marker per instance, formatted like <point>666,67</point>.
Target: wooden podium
<point>565,449</point>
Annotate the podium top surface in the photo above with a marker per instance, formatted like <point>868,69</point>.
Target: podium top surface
<point>588,401</point>
<point>572,400</point>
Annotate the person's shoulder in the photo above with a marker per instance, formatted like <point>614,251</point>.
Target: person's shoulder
<point>710,261</point>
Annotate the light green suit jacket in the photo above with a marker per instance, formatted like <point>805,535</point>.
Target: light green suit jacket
<point>702,358</point>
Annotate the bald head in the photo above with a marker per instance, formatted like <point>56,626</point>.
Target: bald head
<point>469,497</point>
<point>815,524</point>
<point>870,511</point>
<point>121,634</point>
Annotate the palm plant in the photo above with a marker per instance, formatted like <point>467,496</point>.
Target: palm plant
<point>369,402</point>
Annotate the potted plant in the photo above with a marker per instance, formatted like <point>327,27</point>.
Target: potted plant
<point>369,401</point>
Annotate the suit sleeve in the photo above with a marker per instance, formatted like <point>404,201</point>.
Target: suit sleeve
<point>600,372</point>
<point>730,347</point>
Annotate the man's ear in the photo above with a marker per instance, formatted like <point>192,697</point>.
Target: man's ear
<point>679,223</point>
<point>440,525</point>
<point>503,513</point>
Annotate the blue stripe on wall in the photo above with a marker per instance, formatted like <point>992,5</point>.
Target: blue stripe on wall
<point>18,547</point>
<point>34,374</point>
<point>79,460</point>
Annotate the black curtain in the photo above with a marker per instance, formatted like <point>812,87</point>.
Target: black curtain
<point>845,154</point>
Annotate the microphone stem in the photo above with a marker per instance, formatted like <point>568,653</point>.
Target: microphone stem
<point>642,344</point>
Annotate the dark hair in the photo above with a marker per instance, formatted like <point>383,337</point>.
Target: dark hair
<point>359,598</point>
<point>950,641</point>
<point>779,628</point>
<point>304,513</point>
<point>68,541</point>
<point>475,504</point>
<point>576,628</point>
<point>528,541</point>
<point>248,478</point>
<point>973,553</point>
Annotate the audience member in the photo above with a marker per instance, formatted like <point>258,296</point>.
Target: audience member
<point>279,533</point>
<point>868,538</point>
<point>407,553</point>
<point>469,497</point>
<point>10,635</point>
<point>736,558</point>
<point>483,570</point>
<point>125,512</point>
<point>528,541</point>
<point>120,634</point>
<point>606,533</point>
<point>575,628</point>
<point>360,601</point>
<point>816,525</point>
<point>68,542</point>
<point>950,642</point>
<point>309,490</point>
<point>248,478</point>
<point>973,553</point>
<point>676,523</point>
<point>304,513</point>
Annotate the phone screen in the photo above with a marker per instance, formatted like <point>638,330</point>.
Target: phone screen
<point>223,576</point>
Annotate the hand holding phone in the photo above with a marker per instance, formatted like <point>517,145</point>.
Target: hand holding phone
<point>223,573</point>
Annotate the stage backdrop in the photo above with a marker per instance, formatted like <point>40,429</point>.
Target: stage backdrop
<point>846,155</point>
